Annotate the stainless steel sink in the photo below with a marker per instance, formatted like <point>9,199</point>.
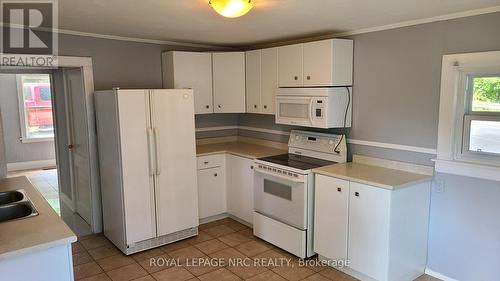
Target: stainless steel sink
<point>16,211</point>
<point>12,196</point>
<point>15,205</point>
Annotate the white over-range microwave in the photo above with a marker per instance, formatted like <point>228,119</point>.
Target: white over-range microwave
<point>314,107</point>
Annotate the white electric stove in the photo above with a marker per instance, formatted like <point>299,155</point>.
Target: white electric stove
<point>284,190</point>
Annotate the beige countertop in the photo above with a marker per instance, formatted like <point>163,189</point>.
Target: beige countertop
<point>36,233</point>
<point>238,148</point>
<point>373,175</point>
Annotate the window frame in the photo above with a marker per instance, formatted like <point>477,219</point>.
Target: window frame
<point>22,110</point>
<point>452,110</point>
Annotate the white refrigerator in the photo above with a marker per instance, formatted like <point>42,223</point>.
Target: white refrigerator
<point>147,155</point>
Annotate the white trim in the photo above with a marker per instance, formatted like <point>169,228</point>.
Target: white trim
<point>451,16</point>
<point>351,141</point>
<point>467,169</point>
<point>394,146</point>
<point>269,131</point>
<point>31,165</point>
<point>438,275</point>
<point>135,39</point>
<point>219,128</point>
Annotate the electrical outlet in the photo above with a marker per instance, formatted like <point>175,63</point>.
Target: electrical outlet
<point>438,186</point>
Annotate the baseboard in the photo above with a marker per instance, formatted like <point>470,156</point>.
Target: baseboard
<point>438,275</point>
<point>31,165</point>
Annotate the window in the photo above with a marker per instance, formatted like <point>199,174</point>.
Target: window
<point>481,129</point>
<point>469,116</point>
<point>35,107</point>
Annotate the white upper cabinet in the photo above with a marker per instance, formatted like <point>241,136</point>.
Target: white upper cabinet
<point>269,79</point>
<point>290,66</point>
<point>253,81</point>
<point>261,80</point>
<point>316,64</point>
<point>229,82</point>
<point>190,70</point>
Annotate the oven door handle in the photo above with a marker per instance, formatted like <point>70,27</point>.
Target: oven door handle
<point>264,172</point>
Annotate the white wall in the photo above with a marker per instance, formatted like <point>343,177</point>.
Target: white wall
<point>15,150</point>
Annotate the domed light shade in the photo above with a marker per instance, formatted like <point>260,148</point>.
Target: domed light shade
<point>231,8</point>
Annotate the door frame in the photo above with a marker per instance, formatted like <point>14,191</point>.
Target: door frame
<point>85,64</point>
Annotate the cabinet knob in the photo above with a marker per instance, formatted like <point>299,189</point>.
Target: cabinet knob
<point>265,106</point>
<point>206,162</point>
<point>308,77</point>
<point>219,105</point>
<point>356,194</point>
<point>339,189</point>
<point>215,174</point>
<point>254,106</point>
<point>251,167</point>
<point>296,78</point>
<point>207,106</point>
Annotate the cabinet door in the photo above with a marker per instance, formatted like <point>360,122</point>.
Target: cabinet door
<point>369,215</point>
<point>318,63</point>
<point>330,217</point>
<point>229,82</point>
<point>191,70</point>
<point>290,66</point>
<point>253,81</point>
<point>211,192</point>
<point>240,189</point>
<point>269,79</point>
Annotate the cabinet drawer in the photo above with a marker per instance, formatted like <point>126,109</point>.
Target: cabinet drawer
<point>210,161</point>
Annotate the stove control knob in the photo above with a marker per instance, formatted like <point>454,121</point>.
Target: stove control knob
<point>330,142</point>
<point>297,137</point>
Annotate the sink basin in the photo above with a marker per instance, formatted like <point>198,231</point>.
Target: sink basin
<point>16,211</point>
<point>8,197</point>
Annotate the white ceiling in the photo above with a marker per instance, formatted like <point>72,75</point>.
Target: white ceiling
<point>270,20</point>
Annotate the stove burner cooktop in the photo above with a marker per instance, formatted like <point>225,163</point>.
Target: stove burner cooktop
<point>297,161</point>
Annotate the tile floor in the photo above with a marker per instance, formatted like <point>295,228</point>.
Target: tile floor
<point>96,259</point>
<point>45,182</point>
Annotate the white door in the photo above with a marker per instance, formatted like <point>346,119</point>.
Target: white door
<point>193,70</point>
<point>290,66</point>
<point>78,143</point>
<point>137,172</point>
<point>176,182</point>
<point>369,215</point>
<point>253,81</point>
<point>318,63</point>
<point>269,79</point>
<point>331,200</point>
<point>229,82</point>
<point>240,189</point>
<point>211,192</point>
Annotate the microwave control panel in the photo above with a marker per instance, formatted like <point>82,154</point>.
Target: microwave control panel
<point>319,108</point>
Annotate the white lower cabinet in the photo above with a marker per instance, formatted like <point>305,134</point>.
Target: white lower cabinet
<point>211,192</point>
<point>382,233</point>
<point>330,219</point>
<point>240,187</point>
<point>225,185</point>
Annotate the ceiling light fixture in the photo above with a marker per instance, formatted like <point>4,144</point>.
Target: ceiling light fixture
<point>231,8</point>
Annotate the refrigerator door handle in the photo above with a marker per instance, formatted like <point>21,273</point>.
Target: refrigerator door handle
<point>157,151</point>
<point>151,157</point>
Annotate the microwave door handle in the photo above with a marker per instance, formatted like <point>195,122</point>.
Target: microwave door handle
<point>311,104</point>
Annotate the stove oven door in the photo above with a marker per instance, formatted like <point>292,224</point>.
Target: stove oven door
<point>281,197</point>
